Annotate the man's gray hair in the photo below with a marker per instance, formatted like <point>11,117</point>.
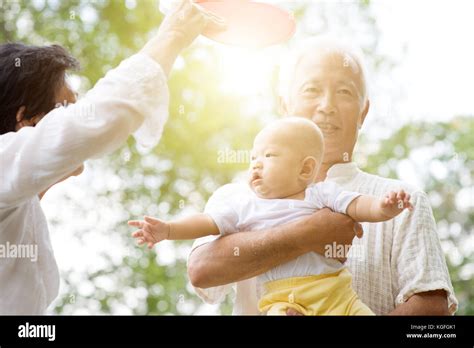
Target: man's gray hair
<point>352,56</point>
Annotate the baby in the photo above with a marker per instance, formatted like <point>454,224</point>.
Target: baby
<point>286,157</point>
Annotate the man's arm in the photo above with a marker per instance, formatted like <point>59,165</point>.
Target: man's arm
<point>244,255</point>
<point>422,285</point>
<point>424,303</point>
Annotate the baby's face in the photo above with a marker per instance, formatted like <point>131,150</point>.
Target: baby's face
<point>275,165</point>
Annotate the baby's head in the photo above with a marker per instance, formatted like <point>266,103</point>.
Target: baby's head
<point>286,157</point>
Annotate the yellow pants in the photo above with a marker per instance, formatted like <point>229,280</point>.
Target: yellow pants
<point>325,294</point>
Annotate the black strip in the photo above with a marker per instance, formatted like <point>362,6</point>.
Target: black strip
<point>161,330</point>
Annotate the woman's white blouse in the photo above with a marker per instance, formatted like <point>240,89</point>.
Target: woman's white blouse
<point>132,98</point>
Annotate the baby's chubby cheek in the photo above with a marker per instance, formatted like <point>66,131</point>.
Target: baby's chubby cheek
<point>259,188</point>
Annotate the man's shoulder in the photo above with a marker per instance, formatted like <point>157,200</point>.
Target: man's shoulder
<point>377,185</point>
<point>380,183</point>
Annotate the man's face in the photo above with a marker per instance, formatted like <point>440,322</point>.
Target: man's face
<point>328,89</point>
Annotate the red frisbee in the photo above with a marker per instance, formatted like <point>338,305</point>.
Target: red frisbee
<point>250,23</point>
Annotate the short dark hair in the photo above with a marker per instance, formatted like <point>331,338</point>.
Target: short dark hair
<point>30,76</point>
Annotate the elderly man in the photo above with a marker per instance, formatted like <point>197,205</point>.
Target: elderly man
<point>401,269</point>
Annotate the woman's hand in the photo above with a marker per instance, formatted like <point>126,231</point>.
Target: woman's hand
<point>187,22</point>
<point>178,30</point>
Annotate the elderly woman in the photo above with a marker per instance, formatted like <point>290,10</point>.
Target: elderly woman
<point>42,141</point>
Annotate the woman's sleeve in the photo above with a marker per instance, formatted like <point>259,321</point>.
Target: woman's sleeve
<point>132,95</point>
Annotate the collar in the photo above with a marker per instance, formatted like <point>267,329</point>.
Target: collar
<point>341,171</point>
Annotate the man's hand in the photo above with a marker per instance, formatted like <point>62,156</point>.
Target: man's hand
<point>332,228</point>
<point>151,231</point>
<point>293,313</point>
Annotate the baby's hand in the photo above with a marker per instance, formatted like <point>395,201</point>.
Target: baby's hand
<point>151,231</point>
<point>394,202</point>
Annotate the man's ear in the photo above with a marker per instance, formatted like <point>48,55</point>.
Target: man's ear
<point>364,113</point>
<point>282,107</point>
<point>308,168</point>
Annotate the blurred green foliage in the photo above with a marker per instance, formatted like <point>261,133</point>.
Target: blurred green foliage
<point>442,156</point>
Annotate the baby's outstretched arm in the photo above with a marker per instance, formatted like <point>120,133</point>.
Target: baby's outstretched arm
<point>372,209</point>
<point>152,231</point>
